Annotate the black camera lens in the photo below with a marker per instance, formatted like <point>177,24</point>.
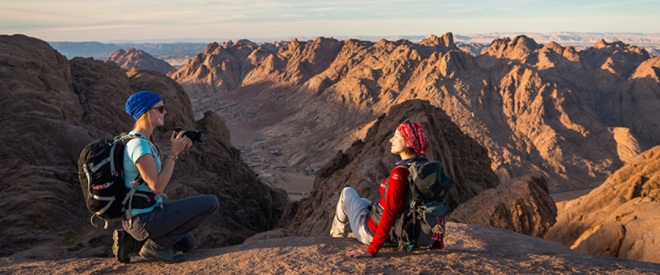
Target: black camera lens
<point>194,135</point>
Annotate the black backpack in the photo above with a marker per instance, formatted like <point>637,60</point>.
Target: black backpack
<point>422,224</point>
<point>101,175</point>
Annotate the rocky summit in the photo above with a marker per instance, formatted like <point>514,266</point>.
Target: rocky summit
<point>50,108</point>
<point>471,249</point>
<point>574,115</point>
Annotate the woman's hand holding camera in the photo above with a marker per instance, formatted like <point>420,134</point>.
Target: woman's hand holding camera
<point>179,143</point>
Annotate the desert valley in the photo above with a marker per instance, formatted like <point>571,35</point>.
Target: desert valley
<point>554,150</point>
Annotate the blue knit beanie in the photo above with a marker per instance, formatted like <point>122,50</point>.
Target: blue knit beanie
<point>140,102</point>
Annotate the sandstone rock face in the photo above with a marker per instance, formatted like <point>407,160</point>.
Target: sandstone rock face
<point>139,60</point>
<point>50,108</point>
<point>366,163</point>
<point>620,218</point>
<point>522,205</point>
<point>576,116</point>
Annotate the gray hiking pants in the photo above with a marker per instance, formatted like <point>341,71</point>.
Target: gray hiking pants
<point>172,224</point>
<point>354,210</point>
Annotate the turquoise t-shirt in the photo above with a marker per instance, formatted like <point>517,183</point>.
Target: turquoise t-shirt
<point>135,148</point>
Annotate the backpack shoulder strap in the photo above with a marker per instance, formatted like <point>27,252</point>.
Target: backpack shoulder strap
<point>125,138</point>
<point>128,137</point>
<point>414,172</point>
<point>413,168</point>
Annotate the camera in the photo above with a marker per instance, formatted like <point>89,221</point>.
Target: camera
<point>194,135</point>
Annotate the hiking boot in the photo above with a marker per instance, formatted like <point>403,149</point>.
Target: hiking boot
<point>186,244</point>
<point>151,250</point>
<point>122,245</point>
<point>137,245</point>
<point>339,229</point>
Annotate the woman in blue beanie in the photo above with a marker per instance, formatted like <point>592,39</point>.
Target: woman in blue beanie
<point>165,225</point>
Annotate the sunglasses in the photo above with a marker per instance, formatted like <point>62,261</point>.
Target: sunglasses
<point>160,109</point>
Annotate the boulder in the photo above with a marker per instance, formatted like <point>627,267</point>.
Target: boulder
<point>521,204</point>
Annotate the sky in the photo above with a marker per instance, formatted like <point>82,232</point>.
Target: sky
<point>188,20</point>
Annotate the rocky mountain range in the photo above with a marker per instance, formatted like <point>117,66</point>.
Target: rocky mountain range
<point>140,60</point>
<point>173,51</point>
<point>574,115</point>
<point>51,107</point>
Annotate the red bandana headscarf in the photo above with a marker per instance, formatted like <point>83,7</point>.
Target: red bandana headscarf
<point>415,136</point>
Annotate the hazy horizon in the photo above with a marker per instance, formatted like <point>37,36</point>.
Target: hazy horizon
<point>206,20</point>
<point>483,38</point>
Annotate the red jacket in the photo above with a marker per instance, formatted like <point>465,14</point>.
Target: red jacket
<point>393,206</point>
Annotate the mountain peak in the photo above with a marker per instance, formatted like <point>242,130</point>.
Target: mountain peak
<point>211,47</point>
<point>526,42</point>
<point>520,48</point>
<point>228,44</point>
<point>245,42</point>
<point>294,43</point>
<point>445,42</point>
<point>600,44</point>
<point>139,59</point>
